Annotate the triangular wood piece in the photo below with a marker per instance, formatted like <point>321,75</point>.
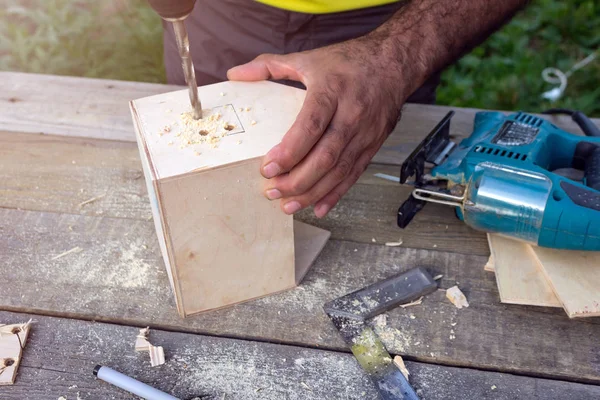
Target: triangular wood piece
<point>519,279</point>
<point>574,277</point>
<point>308,243</point>
<point>12,342</point>
<point>489,266</point>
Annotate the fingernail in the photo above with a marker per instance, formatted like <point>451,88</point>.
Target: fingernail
<point>273,194</point>
<point>291,207</point>
<point>271,170</point>
<point>321,210</point>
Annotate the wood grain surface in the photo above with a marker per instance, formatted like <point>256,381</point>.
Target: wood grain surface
<point>118,276</point>
<point>62,353</point>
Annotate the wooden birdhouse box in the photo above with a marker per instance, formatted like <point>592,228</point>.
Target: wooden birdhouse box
<point>222,241</point>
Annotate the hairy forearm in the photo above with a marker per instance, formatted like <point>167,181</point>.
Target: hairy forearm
<point>425,36</point>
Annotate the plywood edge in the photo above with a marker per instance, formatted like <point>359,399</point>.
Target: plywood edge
<point>210,169</point>
<point>164,231</point>
<point>309,241</point>
<point>170,253</point>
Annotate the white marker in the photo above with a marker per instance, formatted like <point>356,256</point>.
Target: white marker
<point>129,384</point>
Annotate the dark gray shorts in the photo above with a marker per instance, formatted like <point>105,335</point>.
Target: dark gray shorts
<point>226,33</point>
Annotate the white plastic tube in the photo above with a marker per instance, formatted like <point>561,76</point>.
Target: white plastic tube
<point>129,384</point>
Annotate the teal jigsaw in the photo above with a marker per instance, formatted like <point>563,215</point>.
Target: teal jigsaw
<point>518,176</point>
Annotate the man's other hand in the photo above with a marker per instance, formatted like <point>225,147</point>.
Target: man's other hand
<point>353,101</point>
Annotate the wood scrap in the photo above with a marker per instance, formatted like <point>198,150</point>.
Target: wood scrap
<point>73,250</point>
<point>489,266</point>
<point>575,278</point>
<point>456,296</point>
<point>93,199</point>
<point>518,276</point>
<point>394,244</point>
<point>157,355</point>
<point>413,303</point>
<point>141,340</point>
<point>12,342</point>
<point>399,362</point>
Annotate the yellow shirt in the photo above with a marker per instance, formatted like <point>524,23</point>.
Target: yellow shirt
<point>324,6</point>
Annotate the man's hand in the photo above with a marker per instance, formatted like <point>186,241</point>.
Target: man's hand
<point>355,90</point>
<point>352,103</point>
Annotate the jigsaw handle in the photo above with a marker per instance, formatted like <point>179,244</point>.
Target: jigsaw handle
<point>586,124</point>
<point>592,170</point>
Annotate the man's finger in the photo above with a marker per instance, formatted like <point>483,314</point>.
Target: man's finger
<point>325,205</point>
<point>327,164</point>
<point>266,66</point>
<point>312,120</point>
<point>332,178</point>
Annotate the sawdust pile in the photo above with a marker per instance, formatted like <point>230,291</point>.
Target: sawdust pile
<point>210,129</point>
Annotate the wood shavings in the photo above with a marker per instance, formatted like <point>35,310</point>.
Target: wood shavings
<point>394,244</point>
<point>374,240</point>
<point>73,250</point>
<point>141,340</point>
<point>170,143</point>
<point>247,108</point>
<point>413,303</point>
<point>238,142</point>
<point>157,353</point>
<point>222,94</point>
<point>457,297</point>
<point>438,277</point>
<point>197,153</point>
<point>210,129</point>
<point>494,387</point>
<point>304,385</point>
<point>93,199</point>
<point>399,362</point>
<point>253,122</point>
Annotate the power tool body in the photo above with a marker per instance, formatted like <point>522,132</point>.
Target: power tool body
<point>517,175</point>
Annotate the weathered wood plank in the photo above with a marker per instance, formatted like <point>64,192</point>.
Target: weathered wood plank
<point>57,174</point>
<point>64,105</point>
<point>98,108</point>
<point>62,353</point>
<point>118,276</point>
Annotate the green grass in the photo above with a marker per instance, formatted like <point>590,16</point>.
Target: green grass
<point>506,71</point>
<point>122,39</point>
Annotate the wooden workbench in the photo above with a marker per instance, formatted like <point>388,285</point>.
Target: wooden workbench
<point>64,141</point>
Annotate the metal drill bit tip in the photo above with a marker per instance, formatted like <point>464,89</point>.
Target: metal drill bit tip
<point>183,45</point>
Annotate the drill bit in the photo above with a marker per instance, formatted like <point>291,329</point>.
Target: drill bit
<point>183,46</point>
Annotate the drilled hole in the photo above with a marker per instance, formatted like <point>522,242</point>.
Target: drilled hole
<point>229,127</point>
<point>15,330</point>
<point>8,362</point>
<point>203,133</point>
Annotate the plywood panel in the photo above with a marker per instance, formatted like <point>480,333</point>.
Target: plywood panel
<point>228,242</point>
<point>574,277</point>
<point>520,280</point>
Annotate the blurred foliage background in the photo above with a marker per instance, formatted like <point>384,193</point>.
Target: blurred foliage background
<point>122,39</point>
